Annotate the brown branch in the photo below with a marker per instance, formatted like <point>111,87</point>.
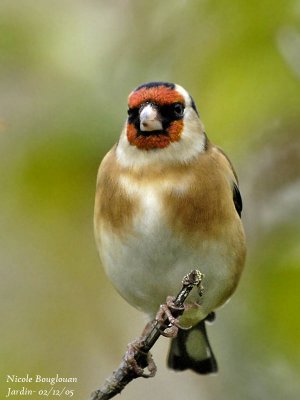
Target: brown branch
<point>137,356</point>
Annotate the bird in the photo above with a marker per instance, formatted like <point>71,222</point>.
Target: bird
<point>167,200</point>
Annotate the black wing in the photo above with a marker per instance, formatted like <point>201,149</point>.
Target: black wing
<point>237,199</point>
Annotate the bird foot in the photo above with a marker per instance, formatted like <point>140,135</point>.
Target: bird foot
<point>165,316</point>
<point>133,349</point>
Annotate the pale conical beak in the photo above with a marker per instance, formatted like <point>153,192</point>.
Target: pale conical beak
<point>149,120</point>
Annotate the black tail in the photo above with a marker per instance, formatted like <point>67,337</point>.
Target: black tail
<point>191,350</point>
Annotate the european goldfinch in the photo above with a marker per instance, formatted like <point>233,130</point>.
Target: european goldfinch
<point>167,201</point>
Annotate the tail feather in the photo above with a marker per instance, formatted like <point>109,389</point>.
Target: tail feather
<point>191,350</point>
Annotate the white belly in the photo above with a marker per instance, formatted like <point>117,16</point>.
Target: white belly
<point>149,264</point>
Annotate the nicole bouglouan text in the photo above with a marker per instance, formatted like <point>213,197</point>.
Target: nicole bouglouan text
<point>25,385</point>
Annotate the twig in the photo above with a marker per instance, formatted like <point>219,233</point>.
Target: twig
<point>139,353</point>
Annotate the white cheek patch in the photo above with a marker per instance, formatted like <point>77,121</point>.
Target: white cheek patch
<point>184,94</point>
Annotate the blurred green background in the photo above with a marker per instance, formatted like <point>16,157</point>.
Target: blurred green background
<point>65,72</point>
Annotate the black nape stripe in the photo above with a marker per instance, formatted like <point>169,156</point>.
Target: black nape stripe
<point>194,105</point>
<point>155,84</point>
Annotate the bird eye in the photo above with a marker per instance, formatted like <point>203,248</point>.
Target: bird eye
<point>178,109</point>
<point>132,113</point>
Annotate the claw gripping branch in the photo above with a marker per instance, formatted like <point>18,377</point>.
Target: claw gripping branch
<point>137,357</point>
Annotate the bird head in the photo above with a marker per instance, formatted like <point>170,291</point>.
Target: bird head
<point>162,124</point>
